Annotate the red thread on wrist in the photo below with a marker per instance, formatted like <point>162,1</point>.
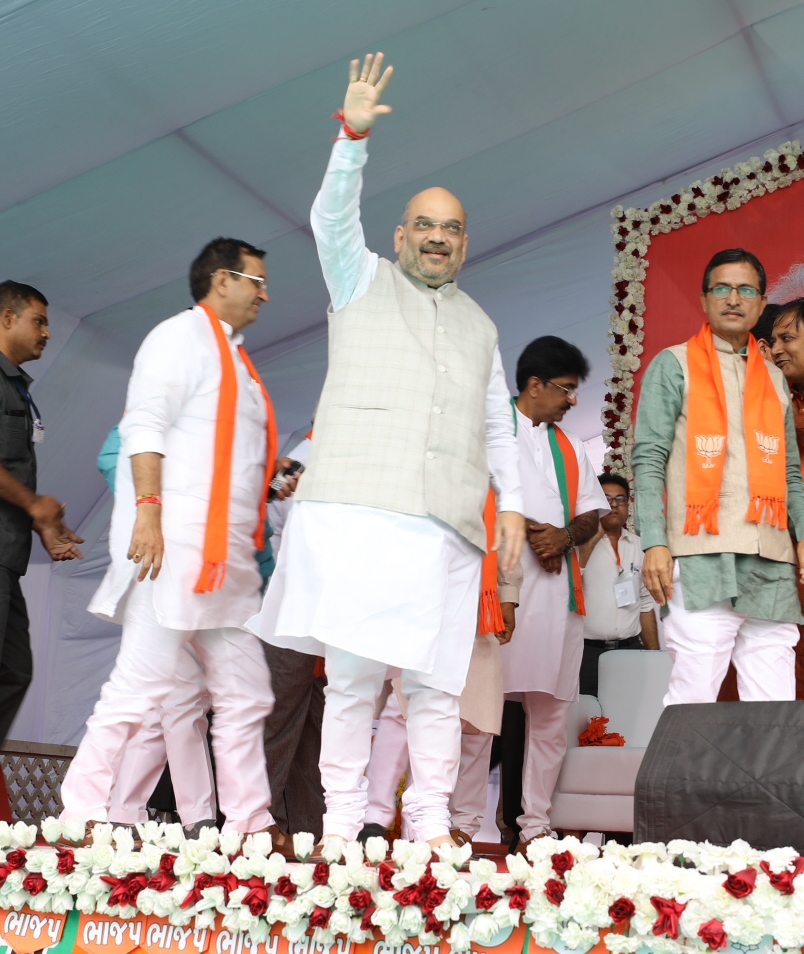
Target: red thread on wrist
<point>149,498</point>
<point>349,132</point>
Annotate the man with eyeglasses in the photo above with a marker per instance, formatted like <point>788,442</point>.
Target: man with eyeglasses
<point>715,433</point>
<point>619,609</point>
<point>198,430</point>
<point>381,556</point>
<point>563,501</point>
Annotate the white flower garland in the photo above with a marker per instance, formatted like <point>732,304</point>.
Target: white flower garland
<point>665,899</point>
<point>632,230</point>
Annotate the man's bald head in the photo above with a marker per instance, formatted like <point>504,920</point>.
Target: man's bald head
<point>431,240</point>
<point>433,195</point>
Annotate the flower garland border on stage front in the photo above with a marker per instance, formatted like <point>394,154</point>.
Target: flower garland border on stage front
<point>670,899</point>
<point>632,230</point>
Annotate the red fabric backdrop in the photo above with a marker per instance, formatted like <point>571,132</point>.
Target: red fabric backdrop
<point>771,226</point>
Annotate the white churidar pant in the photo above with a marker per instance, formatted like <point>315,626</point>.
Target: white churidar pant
<point>371,588</point>
<point>142,679</point>
<point>434,736</point>
<point>545,747</point>
<point>389,760</point>
<point>467,807</point>
<point>387,765</point>
<point>180,729</point>
<point>701,643</point>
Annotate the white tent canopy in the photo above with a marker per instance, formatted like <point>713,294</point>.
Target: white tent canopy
<point>135,131</point>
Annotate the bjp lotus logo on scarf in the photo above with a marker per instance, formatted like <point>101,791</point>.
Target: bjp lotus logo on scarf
<point>768,445</point>
<point>709,446</point>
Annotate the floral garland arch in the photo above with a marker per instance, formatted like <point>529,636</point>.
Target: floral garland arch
<point>225,893</point>
<point>632,230</point>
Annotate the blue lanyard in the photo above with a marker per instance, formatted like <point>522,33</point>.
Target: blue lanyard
<point>28,399</point>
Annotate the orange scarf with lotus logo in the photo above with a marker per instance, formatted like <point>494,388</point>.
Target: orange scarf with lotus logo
<point>707,430</point>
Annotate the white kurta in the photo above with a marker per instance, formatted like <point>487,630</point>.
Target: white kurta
<point>369,581</point>
<point>545,652</point>
<point>604,618</point>
<point>171,409</point>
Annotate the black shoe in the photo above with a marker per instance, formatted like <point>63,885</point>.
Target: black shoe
<point>372,830</point>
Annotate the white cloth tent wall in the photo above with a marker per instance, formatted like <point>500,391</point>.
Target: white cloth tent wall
<point>134,132</point>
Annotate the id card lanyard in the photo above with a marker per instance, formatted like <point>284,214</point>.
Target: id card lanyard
<point>625,593</point>
<point>38,426</point>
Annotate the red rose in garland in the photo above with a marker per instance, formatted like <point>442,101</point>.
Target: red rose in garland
<point>486,898</point>
<point>669,912</point>
<point>66,860</point>
<point>741,883</point>
<point>193,896</point>
<point>320,917</point>
<point>360,899</point>
<point>562,862</point>
<point>125,890</point>
<point>555,890</point>
<point>16,859</point>
<point>518,896</point>
<point>713,935</point>
<point>408,895</point>
<point>783,881</point>
<point>385,873</point>
<point>164,879</point>
<point>256,898</point>
<point>430,894</point>
<point>622,910</point>
<point>285,888</point>
<point>34,882</point>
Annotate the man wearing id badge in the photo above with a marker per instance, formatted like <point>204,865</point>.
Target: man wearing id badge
<point>619,608</point>
<point>23,337</point>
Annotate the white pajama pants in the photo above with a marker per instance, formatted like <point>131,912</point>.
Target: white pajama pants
<point>180,729</point>
<point>545,748</point>
<point>387,765</point>
<point>434,744</point>
<point>143,677</point>
<point>389,761</point>
<point>467,807</point>
<point>702,642</point>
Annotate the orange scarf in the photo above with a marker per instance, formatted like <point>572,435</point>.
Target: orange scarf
<point>216,537</point>
<point>489,616</point>
<point>707,430</point>
<point>568,476</point>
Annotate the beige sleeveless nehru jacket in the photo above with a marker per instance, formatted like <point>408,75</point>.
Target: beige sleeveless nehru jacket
<point>401,423</point>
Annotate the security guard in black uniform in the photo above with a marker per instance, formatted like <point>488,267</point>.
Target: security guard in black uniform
<point>23,336</point>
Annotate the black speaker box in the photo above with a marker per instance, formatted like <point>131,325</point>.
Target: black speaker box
<point>725,770</point>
